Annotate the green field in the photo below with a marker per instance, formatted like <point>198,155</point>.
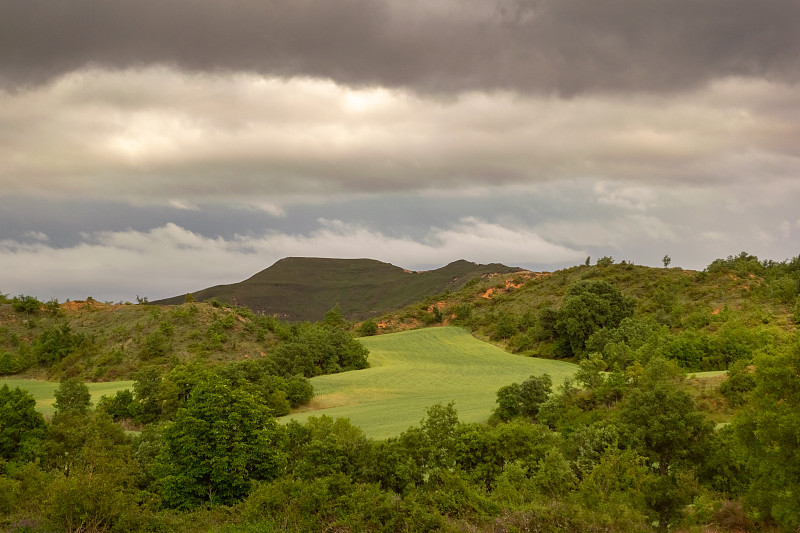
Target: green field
<point>43,391</point>
<point>413,370</point>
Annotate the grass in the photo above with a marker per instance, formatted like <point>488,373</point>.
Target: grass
<point>43,391</point>
<point>413,370</point>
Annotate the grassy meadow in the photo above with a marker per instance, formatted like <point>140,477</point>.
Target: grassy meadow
<point>413,370</point>
<point>43,391</point>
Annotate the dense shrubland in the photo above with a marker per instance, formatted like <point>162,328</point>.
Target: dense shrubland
<point>620,451</point>
<point>729,312</point>
<point>627,446</point>
<point>96,341</point>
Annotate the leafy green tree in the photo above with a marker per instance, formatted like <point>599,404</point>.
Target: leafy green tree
<point>165,396</point>
<point>147,407</point>
<point>666,428</point>
<point>508,402</point>
<point>119,406</point>
<point>8,363</point>
<point>72,394</point>
<point>331,446</point>
<point>319,350</point>
<point>589,306</point>
<point>217,444</point>
<point>299,391</point>
<point>334,318</point>
<point>432,445</point>
<point>769,426</point>
<point>739,381</point>
<point>667,260</point>
<point>523,399</point>
<point>21,425</point>
<point>94,472</point>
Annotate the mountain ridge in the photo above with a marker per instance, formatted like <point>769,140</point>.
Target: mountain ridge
<point>304,288</point>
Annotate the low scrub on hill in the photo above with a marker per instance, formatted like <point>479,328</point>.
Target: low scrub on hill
<point>100,342</point>
<point>733,310</point>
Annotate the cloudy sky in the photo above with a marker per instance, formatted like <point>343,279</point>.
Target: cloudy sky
<point>155,147</point>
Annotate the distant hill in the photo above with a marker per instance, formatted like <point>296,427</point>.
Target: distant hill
<point>304,288</point>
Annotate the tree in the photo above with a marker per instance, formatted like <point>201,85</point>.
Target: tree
<point>334,318</point>
<point>523,400</point>
<point>93,472</point>
<point>667,260</point>
<point>769,427</point>
<point>589,306</point>
<point>147,407</point>
<point>217,444</point>
<point>72,394</point>
<point>21,425</point>
<point>665,427</point>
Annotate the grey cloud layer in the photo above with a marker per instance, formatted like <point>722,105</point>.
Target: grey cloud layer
<point>564,46</point>
<point>154,135</point>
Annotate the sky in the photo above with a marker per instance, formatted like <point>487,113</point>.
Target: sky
<point>156,147</point>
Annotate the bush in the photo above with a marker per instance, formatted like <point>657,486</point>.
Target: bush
<point>26,304</point>
<point>154,346</point>
<point>118,406</point>
<point>55,343</point>
<point>368,328</point>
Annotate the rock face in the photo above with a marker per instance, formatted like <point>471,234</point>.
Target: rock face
<point>304,288</point>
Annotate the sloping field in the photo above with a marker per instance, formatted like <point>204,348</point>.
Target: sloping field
<point>413,370</point>
<point>43,391</point>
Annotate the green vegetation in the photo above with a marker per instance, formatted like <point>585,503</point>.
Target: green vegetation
<point>413,370</point>
<point>472,438</point>
<point>101,342</point>
<point>733,310</point>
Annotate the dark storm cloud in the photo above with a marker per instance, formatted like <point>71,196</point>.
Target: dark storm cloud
<point>565,46</point>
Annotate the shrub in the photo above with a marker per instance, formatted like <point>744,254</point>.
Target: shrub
<point>26,304</point>
<point>368,328</point>
<point>55,343</point>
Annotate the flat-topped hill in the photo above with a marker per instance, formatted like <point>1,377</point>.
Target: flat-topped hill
<point>304,288</point>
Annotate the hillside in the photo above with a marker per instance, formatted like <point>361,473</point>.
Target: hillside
<point>102,341</point>
<point>304,288</point>
<point>413,370</point>
<point>623,441</point>
<point>708,318</point>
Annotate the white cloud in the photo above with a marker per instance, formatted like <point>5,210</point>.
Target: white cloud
<point>183,205</point>
<point>171,260</point>
<point>37,235</point>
